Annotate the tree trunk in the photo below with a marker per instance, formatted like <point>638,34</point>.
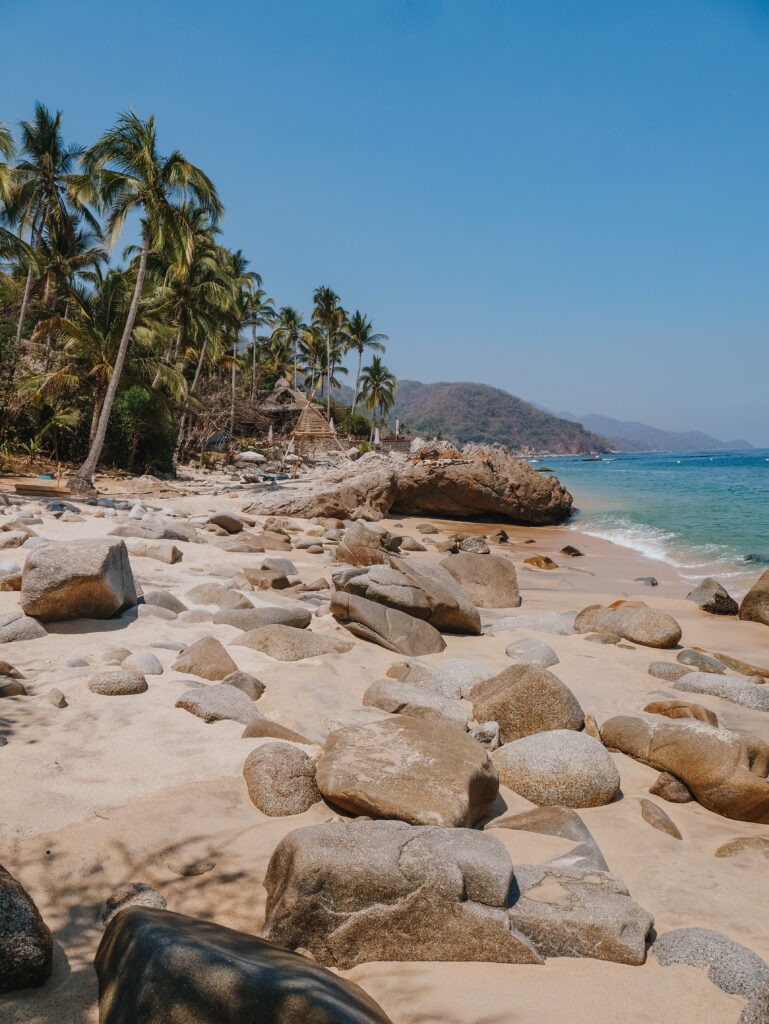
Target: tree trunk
<point>253,360</point>
<point>183,420</point>
<point>24,303</point>
<point>357,380</point>
<point>328,373</point>
<point>166,358</point>
<point>232,399</point>
<point>97,407</point>
<point>82,480</point>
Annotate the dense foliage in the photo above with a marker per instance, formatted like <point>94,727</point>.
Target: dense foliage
<point>143,362</point>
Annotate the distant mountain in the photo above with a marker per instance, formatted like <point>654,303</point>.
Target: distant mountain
<point>476,412</point>
<point>630,436</point>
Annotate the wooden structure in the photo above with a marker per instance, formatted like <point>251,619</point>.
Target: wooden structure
<point>313,425</point>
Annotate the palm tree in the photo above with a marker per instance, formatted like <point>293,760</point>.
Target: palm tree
<point>139,179</point>
<point>259,313</point>
<point>377,389</point>
<point>90,343</point>
<point>41,194</point>
<point>361,336</point>
<point>312,350</point>
<point>329,315</point>
<point>287,335</point>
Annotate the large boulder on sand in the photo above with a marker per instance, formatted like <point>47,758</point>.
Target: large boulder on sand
<point>633,620</point>
<point>421,771</point>
<point>488,580</point>
<point>724,771</point>
<point>156,966</point>
<point>755,604</point>
<point>388,627</point>
<point>361,490</point>
<point>26,948</point>
<point>525,699</point>
<point>713,598</point>
<point>206,658</point>
<point>362,546</point>
<point>354,892</point>
<point>429,592</point>
<point>280,779</point>
<point>491,484</point>
<point>78,579</point>
<point>558,767</point>
<point>287,643</point>
<point>581,913</point>
<point>399,698</point>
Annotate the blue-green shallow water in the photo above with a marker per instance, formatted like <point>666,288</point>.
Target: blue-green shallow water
<point>705,513</point>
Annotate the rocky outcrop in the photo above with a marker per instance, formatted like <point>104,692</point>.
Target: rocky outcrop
<point>26,947</point>
<point>525,699</point>
<point>633,620</point>
<point>491,484</point>
<point>724,771</point>
<point>361,490</point>
<point>155,966</point>
<point>353,892</point>
<point>387,627</point>
<point>488,580</point>
<point>415,769</point>
<point>494,484</point>
<point>77,579</point>
<point>755,604</point>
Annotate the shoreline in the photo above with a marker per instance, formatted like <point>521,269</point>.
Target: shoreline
<point>107,791</point>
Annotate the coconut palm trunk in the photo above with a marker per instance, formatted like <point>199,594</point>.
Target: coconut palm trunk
<point>357,380</point>
<point>185,410</point>
<point>232,398</point>
<point>328,373</point>
<point>83,479</point>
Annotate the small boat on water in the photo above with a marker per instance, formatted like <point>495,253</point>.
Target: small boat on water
<point>593,458</point>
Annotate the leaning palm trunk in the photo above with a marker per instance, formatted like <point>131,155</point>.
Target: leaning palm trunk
<point>82,480</point>
<point>185,410</point>
<point>357,380</point>
<point>328,374</point>
<point>98,405</point>
<point>24,303</point>
<point>232,398</point>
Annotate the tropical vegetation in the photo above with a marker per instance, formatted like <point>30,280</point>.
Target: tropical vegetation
<point>138,358</point>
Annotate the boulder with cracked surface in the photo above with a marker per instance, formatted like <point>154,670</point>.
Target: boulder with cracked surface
<point>355,892</point>
<point>387,627</point>
<point>724,771</point>
<point>418,770</point>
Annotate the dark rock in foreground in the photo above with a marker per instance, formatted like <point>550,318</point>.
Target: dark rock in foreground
<point>26,948</point>
<point>155,966</point>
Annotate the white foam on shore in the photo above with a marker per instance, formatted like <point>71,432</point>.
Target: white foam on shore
<point>692,563</point>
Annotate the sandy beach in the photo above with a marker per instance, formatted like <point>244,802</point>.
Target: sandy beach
<point>109,791</point>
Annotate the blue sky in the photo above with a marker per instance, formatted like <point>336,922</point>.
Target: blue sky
<point>568,199</point>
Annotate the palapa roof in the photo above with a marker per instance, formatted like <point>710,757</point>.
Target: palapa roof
<point>284,397</point>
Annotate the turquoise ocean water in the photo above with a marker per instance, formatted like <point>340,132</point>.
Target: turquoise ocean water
<point>705,513</point>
